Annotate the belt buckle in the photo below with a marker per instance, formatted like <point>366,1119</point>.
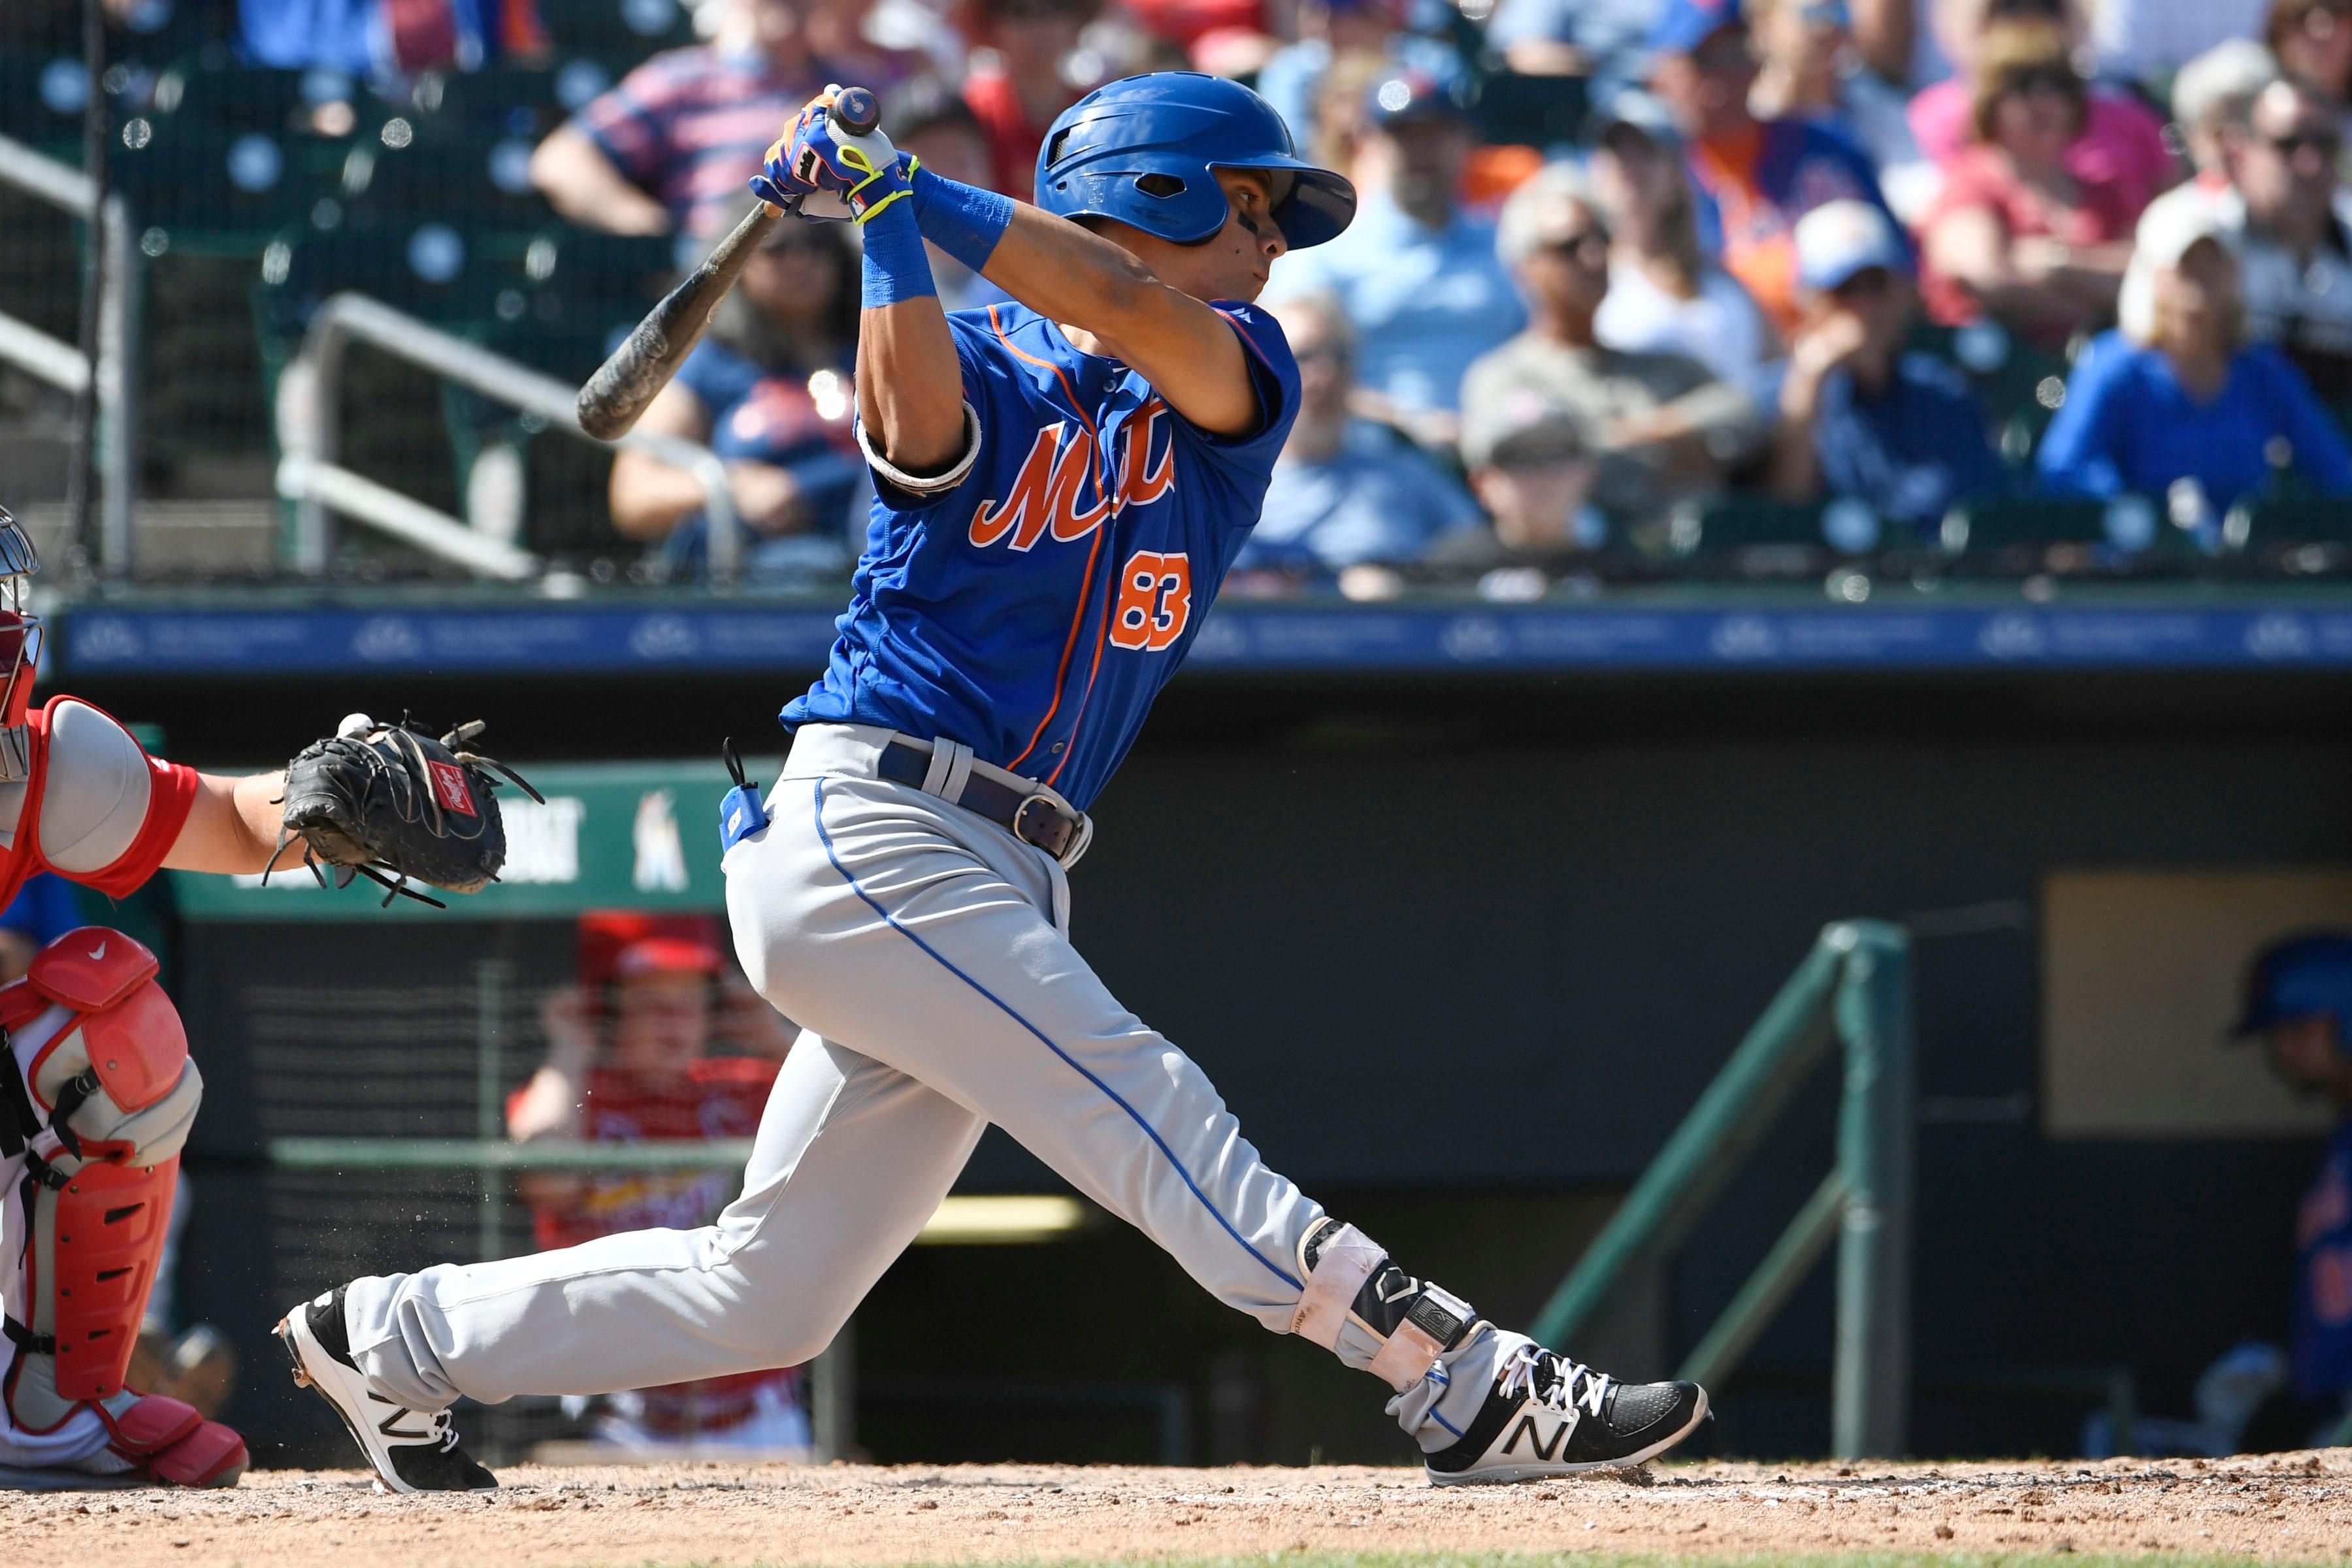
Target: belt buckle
<point>1073,843</point>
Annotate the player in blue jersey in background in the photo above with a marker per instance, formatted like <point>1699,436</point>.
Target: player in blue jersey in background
<point>1061,485</point>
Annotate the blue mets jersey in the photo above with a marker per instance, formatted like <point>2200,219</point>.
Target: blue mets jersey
<point>1034,611</point>
<point>2323,1275</point>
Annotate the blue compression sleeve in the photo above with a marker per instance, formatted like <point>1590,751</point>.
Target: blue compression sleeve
<point>895,268</point>
<point>962,220</point>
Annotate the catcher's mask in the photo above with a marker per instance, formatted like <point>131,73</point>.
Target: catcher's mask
<point>20,646</point>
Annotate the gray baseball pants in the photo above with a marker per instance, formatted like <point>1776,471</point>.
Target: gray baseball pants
<point>926,951</point>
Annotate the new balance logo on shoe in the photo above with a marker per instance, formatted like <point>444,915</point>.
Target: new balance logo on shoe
<point>1538,1446</point>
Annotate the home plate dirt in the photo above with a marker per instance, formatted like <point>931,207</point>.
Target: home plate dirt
<point>2285,1508</point>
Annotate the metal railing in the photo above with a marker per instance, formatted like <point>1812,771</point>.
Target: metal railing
<point>62,365</point>
<point>308,417</point>
<point>1854,989</point>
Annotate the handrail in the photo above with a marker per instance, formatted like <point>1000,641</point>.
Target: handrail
<point>43,177</point>
<point>62,365</point>
<point>309,431</point>
<point>1853,987</point>
<point>497,1154</point>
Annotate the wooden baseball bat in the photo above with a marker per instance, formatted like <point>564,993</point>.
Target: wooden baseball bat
<point>611,402</point>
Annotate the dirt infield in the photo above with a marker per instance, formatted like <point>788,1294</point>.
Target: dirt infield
<point>2287,1507</point>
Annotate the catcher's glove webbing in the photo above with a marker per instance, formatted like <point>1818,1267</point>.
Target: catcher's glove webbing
<point>392,804</point>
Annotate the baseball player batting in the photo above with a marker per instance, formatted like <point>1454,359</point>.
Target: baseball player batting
<point>97,1090</point>
<point>1061,485</point>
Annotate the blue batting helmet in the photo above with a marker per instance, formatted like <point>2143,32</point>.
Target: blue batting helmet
<point>2297,977</point>
<point>1144,150</point>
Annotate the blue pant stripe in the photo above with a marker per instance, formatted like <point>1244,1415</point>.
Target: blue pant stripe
<point>1148,1131</point>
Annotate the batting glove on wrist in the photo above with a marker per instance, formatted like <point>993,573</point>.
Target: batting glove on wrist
<point>865,172</point>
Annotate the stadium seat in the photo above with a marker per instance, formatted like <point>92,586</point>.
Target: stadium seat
<point>585,290</point>
<point>2300,536</point>
<point>2019,384</point>
<point>478,183</point>
<point>618,29</point>
<point>2126,534</point>
<point>41,97</point>
<point>486,106</point>
<point>1534,111</point>
<point>228,97</point>
<point>218,192</point>
<point>1755,537</point>
<point>427,269</point>
<point>418,434</point>
<point>317,116</point>
<point>161,31</point>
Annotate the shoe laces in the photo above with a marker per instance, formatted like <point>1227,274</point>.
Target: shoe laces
<point>1553,1380</point>
<point>439,1430</point>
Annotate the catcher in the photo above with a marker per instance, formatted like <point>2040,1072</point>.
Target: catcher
<point>97,1091</point>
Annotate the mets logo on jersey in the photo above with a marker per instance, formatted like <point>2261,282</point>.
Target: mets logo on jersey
<point>1047,496</point>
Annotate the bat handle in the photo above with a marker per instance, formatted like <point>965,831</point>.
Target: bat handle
<point>857,111</point>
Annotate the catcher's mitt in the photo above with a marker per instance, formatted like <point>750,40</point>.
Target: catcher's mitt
<point>390,803</point>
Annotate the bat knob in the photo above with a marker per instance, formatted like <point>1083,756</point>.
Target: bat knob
<point>855,111</point>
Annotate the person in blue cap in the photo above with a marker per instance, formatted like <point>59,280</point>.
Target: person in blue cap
<point>2299,1005</point>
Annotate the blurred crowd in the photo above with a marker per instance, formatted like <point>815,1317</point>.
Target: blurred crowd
<point>1912,255</point>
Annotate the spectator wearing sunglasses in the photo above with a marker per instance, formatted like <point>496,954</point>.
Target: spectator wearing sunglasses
<point>2295,249</point>
<point>2121,142</point>
<point>2181,397</point>
<point>1810,68</point>
<point>1754,178</point>
<point>769,392</point>
<point>1556,411</point>
<point>1859,417</point>
<point>2312,39</point>
<point>2018,235</point>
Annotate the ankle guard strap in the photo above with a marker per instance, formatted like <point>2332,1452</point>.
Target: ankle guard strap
<point>1350,1280</point>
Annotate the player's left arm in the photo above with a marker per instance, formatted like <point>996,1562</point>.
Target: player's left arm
<point>111,815</point>
<point>234,826</point>
<point>1187,349</point>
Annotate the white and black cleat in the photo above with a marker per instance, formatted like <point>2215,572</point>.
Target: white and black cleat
<point>410,1450</point>
<point>1546,1416</point>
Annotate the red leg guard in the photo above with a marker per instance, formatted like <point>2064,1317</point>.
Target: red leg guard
<point>173,1443</point>
<point>107,1228</point>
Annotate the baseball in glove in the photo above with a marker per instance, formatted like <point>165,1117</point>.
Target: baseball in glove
<point>390,803</point>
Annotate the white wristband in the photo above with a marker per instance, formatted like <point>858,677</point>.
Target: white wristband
<point>934,484</point>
